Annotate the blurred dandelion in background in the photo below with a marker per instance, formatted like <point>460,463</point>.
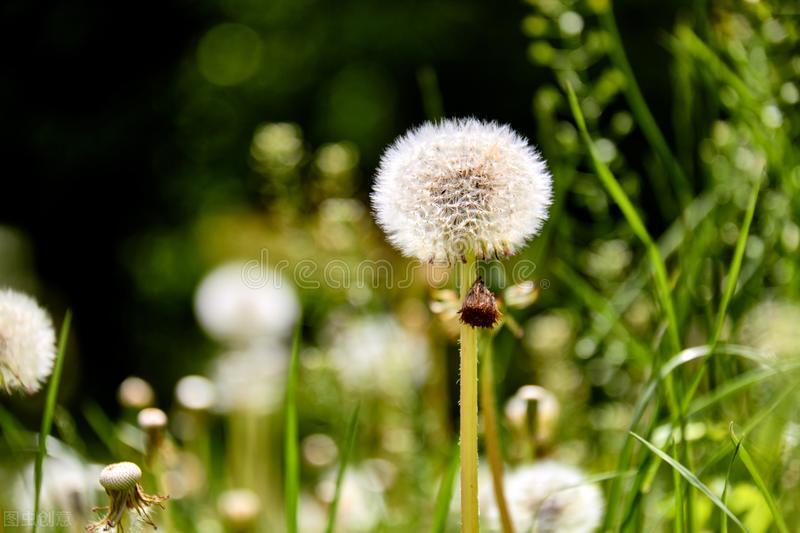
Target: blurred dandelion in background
<point>27,343</point>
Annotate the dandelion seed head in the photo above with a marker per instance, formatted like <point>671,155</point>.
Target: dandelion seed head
<point>121,481</point>
<point>195,393</point>
<point>250,380</point>
<point>120,476</point>
<point>239,508</point>
<point>27,343</point>
<point>239,302</point>
<point>375,354</point>
<point>771,326</point>
<point>453,187</point>
<point>135,393</point>
<point>152,418</point>
<point>548,497</point>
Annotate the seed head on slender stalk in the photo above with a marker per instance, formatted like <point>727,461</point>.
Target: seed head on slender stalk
<point>121,481</point>
<point>27,343</point>
<point>454,192</point>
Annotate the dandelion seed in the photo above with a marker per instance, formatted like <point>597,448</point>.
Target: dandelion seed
<point>548,497</point>
<point>27,343</point>
<point>444,190</point>
<point>121,482</point>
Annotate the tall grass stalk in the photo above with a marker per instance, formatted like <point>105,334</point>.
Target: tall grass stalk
<point>492,432</point>
<point>445,493</point>
<point>291,454</point>
<point>469,409</point>
<point>47,418</point>
<point>347,449</point>
<point>642,112</point>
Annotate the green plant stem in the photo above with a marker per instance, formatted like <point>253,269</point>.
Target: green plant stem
<point>469,410</point>
<point>291,453</point>
<point>47,418</point>
<point>492,434</point>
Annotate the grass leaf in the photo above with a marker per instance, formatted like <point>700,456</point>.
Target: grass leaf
<point>291,455</point>
<point>691,478</point>
<point>623,202</point>
<point>747,460</point>
<point>349,441</point>
<point>445,494</point>
<point>49,410</point>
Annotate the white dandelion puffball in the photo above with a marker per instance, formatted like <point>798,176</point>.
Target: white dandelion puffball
<point>547,497</point>
<point>239,302</point>
<point>376,354</point>
<point>27,342</point>
<point>457,186</point>
<point>251,380</point>
<point>772,326</point>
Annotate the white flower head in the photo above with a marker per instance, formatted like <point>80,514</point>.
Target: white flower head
<point>27,342</point>
<point>239,302</point>
<point>772,326</point>
<point>251,380</point>
<point>453,187</point>
<point>375,354</point>
<point>548,497</point>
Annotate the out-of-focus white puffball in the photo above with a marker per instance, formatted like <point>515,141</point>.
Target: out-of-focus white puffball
<point>195,393</point>
<point>773,326</point>
<point>69,485</point>
<point>376,354</point>
<point>361,503</point>
<point>240,302</point>
<point>251,380</point>
<point>27,343</point>
<point>547,497</point>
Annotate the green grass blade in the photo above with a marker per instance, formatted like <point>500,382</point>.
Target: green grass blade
<point>49,409</point>
<point>736,264</point>
<point>430,92</point>
<point>13,432</point>
<point>103,428</point>
<point>724,519</point>
<point>291,455</point>
<point>642,112</point>
<point>691,478</point>
<point>747,460</point>
<point>445,494</point>
<point>347,449</point>
<point>623,202</point>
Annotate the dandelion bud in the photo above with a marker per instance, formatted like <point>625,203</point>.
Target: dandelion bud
<point>457,187</point>
<point>480,308</point>
<point>121,481</point>
<point>152,421</point>
<point>27,343</point>
<point>239,509</point>
<point>135,393</point>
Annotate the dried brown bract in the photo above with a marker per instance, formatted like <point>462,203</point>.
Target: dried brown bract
<point>479,309</point>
